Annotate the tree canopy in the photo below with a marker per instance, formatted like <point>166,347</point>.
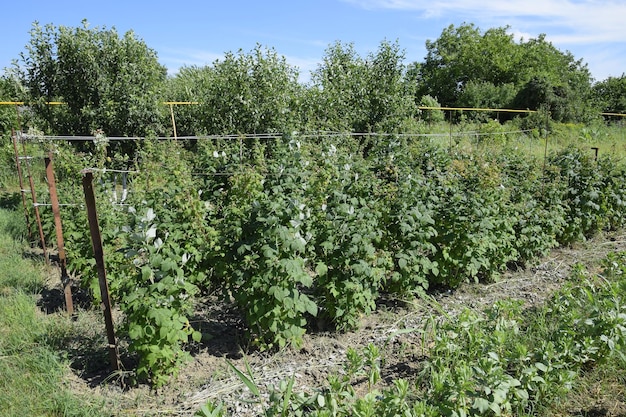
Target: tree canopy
<point>466,67</point>
<point>107,81</point>
<point>116,84</point>
<point>610,94</point>
<point>255,92</point>
<point>361,94</point>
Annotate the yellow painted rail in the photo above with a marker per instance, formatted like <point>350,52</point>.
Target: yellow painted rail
<point>181,103</point>
<point>476,109</point>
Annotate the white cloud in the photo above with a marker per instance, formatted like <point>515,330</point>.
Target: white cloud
<point>594,30</point>
<point>605,62</point>
<point>305,66</point>
<point>569,21</point>
<point>174,59</point>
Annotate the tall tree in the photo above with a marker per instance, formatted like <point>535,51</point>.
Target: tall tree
<point>554,80</point>
<point>466,67</point>
<point>107,81</point>
<point>389,93</point>
<point>10,90</point>
<point>361,95</point>
<point>255,92</point>
<point>610,94</point>
<point>463,54</point>
<point>338,90</point>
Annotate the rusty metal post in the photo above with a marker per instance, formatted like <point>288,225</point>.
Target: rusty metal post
<point>42,238</point>
<point>54,200</point>
<point>35,205</point>
<point>21,180</point>
<point>96,240</point>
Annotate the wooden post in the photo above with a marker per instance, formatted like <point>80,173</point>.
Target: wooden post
<point>96,240</point>
<point>54,200</point>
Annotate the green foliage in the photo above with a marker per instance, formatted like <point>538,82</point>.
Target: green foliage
<point>409,237</point>
<point>614,194</point>
<point>475,235</point>
<point>583,197</point>
<point>431,115</point>
<point>115,83</point>
<point>155,261</point>
<point>108,82</point>
<point>349,93</point>
<point>10,90</point>
<point>407,214</point>
<point>564,102</point>
<point>504,361</point>
<point>610,94</point>
<point>485,94</point>
<point>463,54</point>
<point>535,208</point>
<point>299,232</point>
<point>266,266</point>
<point>466,66</point>
<point>255,92</point>
<point>210,410</point>
<point>350,268</point>
<point>389,100</point>
<point>157,299</point>
<point>492,132</point>
<point>165,267</point>
<point>339,89</point>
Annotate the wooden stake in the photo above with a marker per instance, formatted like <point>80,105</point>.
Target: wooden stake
<point>54,200</point>
<point>96,240</point>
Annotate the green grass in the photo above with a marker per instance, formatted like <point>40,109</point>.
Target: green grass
<point>32,376</point>
<point>609,139</point>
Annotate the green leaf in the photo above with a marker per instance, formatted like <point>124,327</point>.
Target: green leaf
<point>135,331</point>
<point>287,396</point>
<point>310,305</point>
<point>495,407</point>
<point>146,273</point>
<point>149,330</point>
<point>277,292</point>
<point>168,265</point>
<point>321,269</point>
<point>481,405</point>
<point>247,380</point>
<point>402,263</point>
<point>522,394</point>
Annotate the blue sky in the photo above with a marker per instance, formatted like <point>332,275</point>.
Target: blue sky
<point>197,32</point>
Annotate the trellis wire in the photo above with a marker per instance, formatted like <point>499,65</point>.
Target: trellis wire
<point>266,136</point>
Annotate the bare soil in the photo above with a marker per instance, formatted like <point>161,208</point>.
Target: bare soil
<point>209,378</point>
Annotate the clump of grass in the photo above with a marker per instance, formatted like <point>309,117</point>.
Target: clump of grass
<point>17,274</point>
<point>31,373</point>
